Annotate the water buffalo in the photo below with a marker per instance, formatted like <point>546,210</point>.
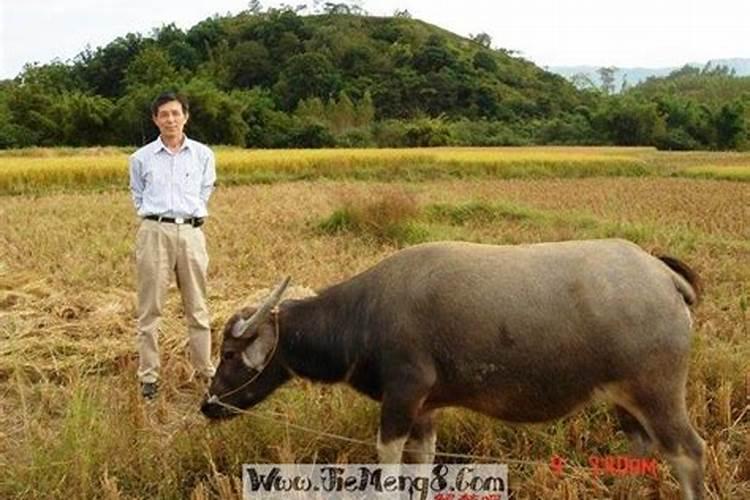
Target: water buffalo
<point>524,333</point>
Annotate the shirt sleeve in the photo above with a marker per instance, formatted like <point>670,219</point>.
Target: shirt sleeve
<point>209,177</point>
<point>136,182</point>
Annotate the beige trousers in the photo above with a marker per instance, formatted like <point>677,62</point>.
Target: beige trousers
<point>162,249</point>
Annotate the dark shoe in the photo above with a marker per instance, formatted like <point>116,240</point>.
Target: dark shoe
<point>149,390</point>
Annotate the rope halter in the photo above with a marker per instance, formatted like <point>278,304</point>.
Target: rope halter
<point>269,308</point>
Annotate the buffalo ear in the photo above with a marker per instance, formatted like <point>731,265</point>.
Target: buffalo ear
<point>256,355</point>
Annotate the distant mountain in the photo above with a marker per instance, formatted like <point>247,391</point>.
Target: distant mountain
<point>634,76</point>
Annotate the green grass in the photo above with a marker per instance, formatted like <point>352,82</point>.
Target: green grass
<point>442,221</point>
<point>730,173</point>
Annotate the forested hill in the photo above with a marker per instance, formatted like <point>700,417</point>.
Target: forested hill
<point>279,79</point>
<point>410,68</point>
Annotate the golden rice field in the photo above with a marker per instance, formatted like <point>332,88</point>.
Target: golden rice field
<point>72,423</point>
<point>70,170</point>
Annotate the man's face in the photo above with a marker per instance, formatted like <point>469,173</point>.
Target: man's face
<point>171,120</point>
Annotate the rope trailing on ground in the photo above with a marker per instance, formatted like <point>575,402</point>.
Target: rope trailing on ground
<point>273,417</point>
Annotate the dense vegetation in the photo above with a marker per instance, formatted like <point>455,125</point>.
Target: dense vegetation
<point>279,79</point>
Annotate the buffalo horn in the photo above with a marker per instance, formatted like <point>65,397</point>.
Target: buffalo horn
<point>263,311</point>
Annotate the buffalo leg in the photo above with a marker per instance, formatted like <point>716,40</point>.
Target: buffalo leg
<point>640,442</point>
<point>398,413</point>
<point>420,447</point>
<point>390,450</point>
<point>663,414</point>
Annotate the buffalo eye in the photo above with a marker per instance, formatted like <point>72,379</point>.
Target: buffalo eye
<point>227,355</point>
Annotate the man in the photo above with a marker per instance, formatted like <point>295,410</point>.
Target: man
<point>171,180</point>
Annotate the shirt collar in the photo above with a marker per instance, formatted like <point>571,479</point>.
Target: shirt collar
<point>161,146</point>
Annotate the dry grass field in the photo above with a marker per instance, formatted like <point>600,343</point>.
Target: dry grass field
<point>72,423</point>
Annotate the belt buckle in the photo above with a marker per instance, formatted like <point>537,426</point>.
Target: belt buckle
<point>179,220</point>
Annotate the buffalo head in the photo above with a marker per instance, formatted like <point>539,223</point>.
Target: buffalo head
<point>249,369</point>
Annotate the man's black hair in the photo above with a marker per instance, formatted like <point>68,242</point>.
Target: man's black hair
<point>166,97</point>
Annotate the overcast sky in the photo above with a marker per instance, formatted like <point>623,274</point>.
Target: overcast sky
<point>623,33</point>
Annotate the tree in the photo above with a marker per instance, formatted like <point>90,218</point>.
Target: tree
<point>689,126</point>
<point>54,77</point>
<point>217,67</point>
<point>311,109</point>
<point>150,67</point>
<point>274,32</point>
<point>482,39</point>
<point>307,75</point>
<point>266,127</point>
<point>365,113</point>
<point>87,119</point>
<point>341,113</point>
<point>286,46</point>
<point>625,85</point>
<point>397,95</point>
<point>333,8</point>
<point>607,77</point>
<point>572,128</point>
<point>216,117</point>
<point>11,135</point>
<point>175,44</point>
<point>487,101</point>
<point>167,34</point>
<point>205,35</point>
<point>439,94</point>
<point>249,64</point>
<point>485,61</point>
<point>582,81</point>
<point>37,113</point>
<point>132,115</point>
<point>730,126</point>
<point>310,134</point>
<point>357,60</point>
<point>427,132</point>
<point>254,7</point>
<point>104,70</point>
<point>629,122</point>
<point>433,56</point>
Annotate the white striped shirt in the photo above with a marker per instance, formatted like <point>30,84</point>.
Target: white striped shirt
<point>172,184</point>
